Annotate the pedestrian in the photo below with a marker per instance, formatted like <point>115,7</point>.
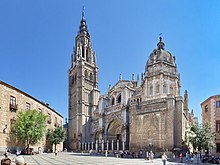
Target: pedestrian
<point>141,153</point>
<point>6,152</point>
<point>181,158</point>
<point>122,154</point>
<point>116,154</point>
<point>39,150</point>
<point>132,154</point>
<point>136,154</point>
<point>147,155</point>
<point>19,160</point>
<point>56,152</point>
<point>187,158</point>
<point>193,157</point>
<point>151,156</point>
<point>6,161</point>
<point>164,158</point>
<point>106,153</point>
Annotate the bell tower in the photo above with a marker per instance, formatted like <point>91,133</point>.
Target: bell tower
<point>83,88</point>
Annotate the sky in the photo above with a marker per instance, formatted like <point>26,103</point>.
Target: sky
<point>37,37</point>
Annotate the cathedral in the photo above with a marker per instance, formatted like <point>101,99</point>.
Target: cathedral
<point>133,114</point>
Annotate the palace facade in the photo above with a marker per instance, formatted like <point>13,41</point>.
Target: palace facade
<point>13,100</point>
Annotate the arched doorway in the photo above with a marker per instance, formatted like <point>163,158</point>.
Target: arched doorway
<point>96,136</point>
<point>114,133</point>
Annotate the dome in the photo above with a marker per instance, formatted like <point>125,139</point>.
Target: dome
<point>161,55</point>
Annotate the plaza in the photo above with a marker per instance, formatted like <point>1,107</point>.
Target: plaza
<point>70,158</point>
<point>133,95</point>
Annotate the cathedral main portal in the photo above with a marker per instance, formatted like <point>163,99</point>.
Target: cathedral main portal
<point>113,131</point>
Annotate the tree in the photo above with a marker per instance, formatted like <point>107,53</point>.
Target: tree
<point>29,127</point>
<point>200,136</point>
<point>56,136</point>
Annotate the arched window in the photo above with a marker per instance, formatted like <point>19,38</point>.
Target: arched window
<point>87,55</point>
<point>113,101</point>
<point>171,90</point>
<point>119,99</point>
<point>158,88</point>
<point>164,88</point>
<point>83,52</point>
<point>91,76</point>
<point>86,74</point>
<point>151,90</point>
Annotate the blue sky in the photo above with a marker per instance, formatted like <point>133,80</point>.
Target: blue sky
<point>36,40</point>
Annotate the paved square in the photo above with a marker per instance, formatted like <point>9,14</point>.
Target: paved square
<point>68,158</point>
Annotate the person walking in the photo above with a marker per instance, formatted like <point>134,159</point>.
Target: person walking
<point>147,155</point>
<point>6,153</point>
<point>181,158</point>
<point>164,158</point>
<point>133,154</point>
<point>106,153</point>
<point>56,152</point>
<point>141,154</point>
<point>151,156</point>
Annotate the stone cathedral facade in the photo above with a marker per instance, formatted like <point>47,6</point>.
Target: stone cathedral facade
<point>133,114</point>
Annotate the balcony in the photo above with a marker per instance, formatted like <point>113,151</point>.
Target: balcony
<point>56,124</point>
<point>13,107</point>
<point>49,121</point>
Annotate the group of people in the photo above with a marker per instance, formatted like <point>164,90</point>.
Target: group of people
<point>18,160</point>
<point>191,157</point>
<point>149,156</point>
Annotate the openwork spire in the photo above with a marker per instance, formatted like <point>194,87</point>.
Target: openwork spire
<point>83,13</point>
<point>83,26</point>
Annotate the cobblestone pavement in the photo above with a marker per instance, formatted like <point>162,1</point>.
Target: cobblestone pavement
<point>68,158</point>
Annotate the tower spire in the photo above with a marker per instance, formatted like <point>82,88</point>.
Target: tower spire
<point>83,12</point>
<point>83,26</point>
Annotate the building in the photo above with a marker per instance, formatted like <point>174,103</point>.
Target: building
<point>134,114</point>
<point>13,100</point>
<point>211,113</point>
<point>83,87</point>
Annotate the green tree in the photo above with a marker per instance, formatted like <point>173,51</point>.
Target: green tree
<point>29,127</point>
<point>200,136</point>
<point>56,136</point>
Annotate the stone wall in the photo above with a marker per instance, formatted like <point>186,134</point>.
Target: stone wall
<point>156,124</point>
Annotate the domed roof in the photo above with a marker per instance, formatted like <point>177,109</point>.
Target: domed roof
<point>161,55</point>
